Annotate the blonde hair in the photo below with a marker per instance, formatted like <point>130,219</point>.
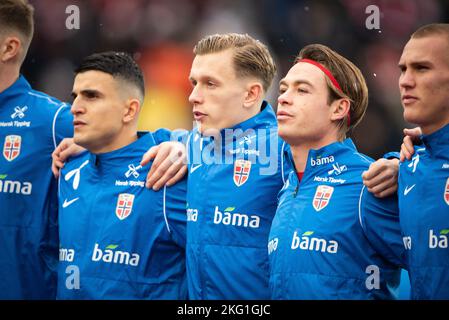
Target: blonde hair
<point>350,79</point>
<point>251,57</point>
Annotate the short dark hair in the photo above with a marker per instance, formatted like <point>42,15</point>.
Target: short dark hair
<point>118,64</point>
<point>17,15</point>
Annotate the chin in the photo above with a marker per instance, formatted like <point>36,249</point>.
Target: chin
<point>411,117</point>
<point>80,141</point>
<point>208,130</point>
<point>286,135</point>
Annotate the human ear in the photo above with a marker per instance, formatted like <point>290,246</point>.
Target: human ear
<point>132,110</point>
<point>340,109</point>
<point>253,94</point>
<point>10,49</point>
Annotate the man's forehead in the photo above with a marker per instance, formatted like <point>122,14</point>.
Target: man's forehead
<point>304,72</point>
<point>429,48</point>
<point>213,64</point>
<point>93,79</point>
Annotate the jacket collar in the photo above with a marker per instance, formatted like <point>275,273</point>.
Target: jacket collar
<point>17,88</point>
<point>320,161</point>
<point>123,155</point>
<point>438,141</point>
<point>266,118</point>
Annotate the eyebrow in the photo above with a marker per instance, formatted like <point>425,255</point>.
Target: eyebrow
<point>203,77</point>
<point>416,63</point>
<point>296,82</point>
<point>87,92</point>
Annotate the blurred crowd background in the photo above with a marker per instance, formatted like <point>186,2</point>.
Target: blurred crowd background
<point>161,34</point>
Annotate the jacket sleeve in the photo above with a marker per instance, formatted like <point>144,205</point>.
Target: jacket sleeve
<point>164,135</point>
<point>62,126</point>
<point>175,211</point>
<point>287,164</point>
<point>392,155</point>
<point>379,219</point>
<point>50,238</point>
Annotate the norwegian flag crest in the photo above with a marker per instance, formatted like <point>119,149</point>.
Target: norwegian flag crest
<point>12,147</point>
<point>124,206</point>
<point>242,169</point>
<point>322,197</point>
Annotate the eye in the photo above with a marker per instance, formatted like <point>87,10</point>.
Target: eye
<point>210,84</point>
<point>91,95</point>
<point>302,90</point>
<point>422,68</point>
<point>282,90</point>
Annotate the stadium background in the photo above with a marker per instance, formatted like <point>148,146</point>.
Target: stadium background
<point>161,34</point>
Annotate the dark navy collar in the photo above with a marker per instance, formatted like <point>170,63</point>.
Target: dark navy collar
<point>17,88</point>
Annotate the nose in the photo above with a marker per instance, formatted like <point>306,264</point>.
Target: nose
<point>195,96</point>
<point>406,80</point>
<point>284,98</point>
<point>77,107</point>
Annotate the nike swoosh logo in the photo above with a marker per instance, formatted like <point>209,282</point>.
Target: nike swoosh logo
<point>408,189</point>
<point>193,169</point>
<point>68,203</point>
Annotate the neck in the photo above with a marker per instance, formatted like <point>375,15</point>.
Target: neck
<point>300,152</point>
<point>123,141</point>
<point>434,127</point>
<point>254,111</point>
<point>250,112</point>
<point>8,76</point>
<point>246,114</point>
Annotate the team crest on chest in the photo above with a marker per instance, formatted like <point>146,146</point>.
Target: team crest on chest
<point>446,192</point>
<point>124,205</point>
<point>242,169</point>
<point>322,197</point>
<point>11,147</point>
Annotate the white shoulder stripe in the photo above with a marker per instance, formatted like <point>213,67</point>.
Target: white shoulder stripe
<point>188,147</point>
<point>43,97</point>
<point>165,213</point>
<point>363,157</point>
<point>54,123</point>
<point>360,208</point>
<point>282,162</point>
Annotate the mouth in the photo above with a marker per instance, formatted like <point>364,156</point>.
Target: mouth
<point>282,115</point>
<point>198,115</point>
<point>78,123</point>
<point>408,99</point>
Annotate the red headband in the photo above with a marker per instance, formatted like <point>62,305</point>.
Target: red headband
<point>329,75</point>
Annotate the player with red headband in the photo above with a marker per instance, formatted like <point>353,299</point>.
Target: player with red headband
<point>330,237</point>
